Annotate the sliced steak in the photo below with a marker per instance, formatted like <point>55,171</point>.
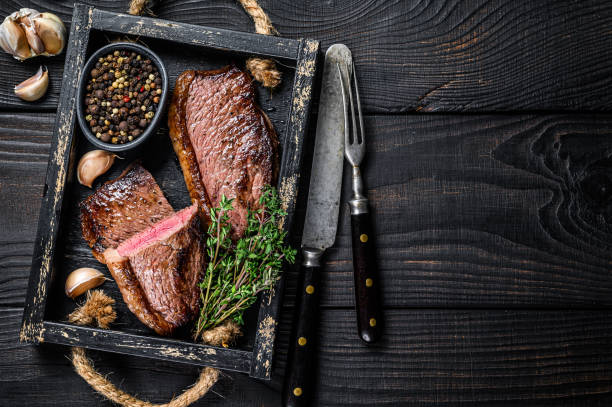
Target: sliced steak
<point>121,208</point>
<point>226,145</point>
<point>158,271</point>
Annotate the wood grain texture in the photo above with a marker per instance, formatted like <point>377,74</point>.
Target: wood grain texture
<point>490,211</point>
<point>470,211</point>
<point>426,358</point>
<point>24,147</point>
<point>434,55</point>
<point>484,211</point>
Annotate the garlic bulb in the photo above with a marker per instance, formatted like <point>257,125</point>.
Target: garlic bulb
<point>92,165</point>
<point>34,87</point>
<point>81,280</point>
<point>27,33</point>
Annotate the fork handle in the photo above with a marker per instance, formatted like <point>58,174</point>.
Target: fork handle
<point>367,298</point>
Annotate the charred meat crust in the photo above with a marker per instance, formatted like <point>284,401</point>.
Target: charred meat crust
<point>134,196</point>
<point>250,145</point>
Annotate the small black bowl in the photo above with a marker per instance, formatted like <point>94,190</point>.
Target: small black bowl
<point>91,62</point>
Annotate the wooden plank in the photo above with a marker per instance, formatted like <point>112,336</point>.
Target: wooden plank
<point>57,174</point>
<point>484,211</point>
<point>24,149</point>
<point>215,38</point>
<point>427,358</point>
<point>463,221</point>
<point>440,55</point>
<point>148,347</point>
<point>291,168</point>
<point>466,56</point>
<point>475,358</point>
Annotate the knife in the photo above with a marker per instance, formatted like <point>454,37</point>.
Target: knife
<point>320,227</point>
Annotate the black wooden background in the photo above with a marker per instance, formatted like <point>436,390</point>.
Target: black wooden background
<point>491,184</point>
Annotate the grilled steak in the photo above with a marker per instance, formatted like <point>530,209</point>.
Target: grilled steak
<point>121,208</point>
<point>158,271</point>
<point>226,145</point>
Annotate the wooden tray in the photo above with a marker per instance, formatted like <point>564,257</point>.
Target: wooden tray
<point>59,246</point>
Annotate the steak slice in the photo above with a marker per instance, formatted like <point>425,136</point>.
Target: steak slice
<point>121,208</point>
<point>158,271</point>
<point>225,143</point>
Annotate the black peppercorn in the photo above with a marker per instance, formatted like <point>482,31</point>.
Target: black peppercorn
<point>122,96</point>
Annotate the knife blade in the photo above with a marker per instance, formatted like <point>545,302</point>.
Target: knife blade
<point>320,225</point>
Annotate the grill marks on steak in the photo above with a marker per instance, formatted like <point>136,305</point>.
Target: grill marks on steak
<point>158,271</point>
<point>226,145</point>
<point>121,208</point>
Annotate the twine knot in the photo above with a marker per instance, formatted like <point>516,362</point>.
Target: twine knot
<point>98,308</point>
<point>264,71</point>
<point>222,335</point>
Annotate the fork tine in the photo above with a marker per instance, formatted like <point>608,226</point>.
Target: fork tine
<point>361,129</point>
<point>354,138</point>
<point>347,128</point>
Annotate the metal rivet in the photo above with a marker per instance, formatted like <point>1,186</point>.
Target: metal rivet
<point>297,391</point>
<point>363,238</point>
<point>309,289</point>
<point>372,322</point>
<point>369,282</point>
<point>302,341</point>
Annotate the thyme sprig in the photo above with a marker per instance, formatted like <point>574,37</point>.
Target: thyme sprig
<point>238,272</point>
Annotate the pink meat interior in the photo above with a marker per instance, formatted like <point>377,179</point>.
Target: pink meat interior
<point>158,232</point>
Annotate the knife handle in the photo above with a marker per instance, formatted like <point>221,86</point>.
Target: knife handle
<point>366,279</point>
<point>299,378</point>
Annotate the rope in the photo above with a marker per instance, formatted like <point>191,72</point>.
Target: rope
<point>263,70</point>
<point>263,24</point>
<point>136,7</point>
<point>99,309</point>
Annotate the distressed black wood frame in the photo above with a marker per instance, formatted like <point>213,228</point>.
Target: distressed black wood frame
<point>257,363</point>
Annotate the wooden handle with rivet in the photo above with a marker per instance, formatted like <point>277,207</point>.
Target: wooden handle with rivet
<point>367,300</point>
<point>299,378</point>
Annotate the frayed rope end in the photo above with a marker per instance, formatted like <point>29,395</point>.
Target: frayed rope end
<point>264,71</point>
<point>98,308</point>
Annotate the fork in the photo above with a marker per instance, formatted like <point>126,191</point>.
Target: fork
<point>364,261</point>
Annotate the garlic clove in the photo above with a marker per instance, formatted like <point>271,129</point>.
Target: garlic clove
<point>36,44</point>
<point>13,40</point>
<point>53,17</point>
<point>81,280</point>
<point>35,86</point>
<point>51,31</point>
<point>92,165</point>
<point>27,33</point>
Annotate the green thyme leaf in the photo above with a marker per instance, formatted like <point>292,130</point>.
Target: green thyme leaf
<point>238,272</point>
